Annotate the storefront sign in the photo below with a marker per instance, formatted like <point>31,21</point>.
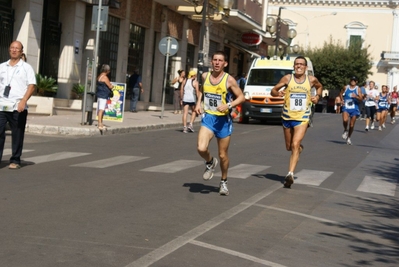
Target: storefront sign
<point>250,38</point>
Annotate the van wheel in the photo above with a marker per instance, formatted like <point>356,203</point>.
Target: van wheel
<point>245,120</point>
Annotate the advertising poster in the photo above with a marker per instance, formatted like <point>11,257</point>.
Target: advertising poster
<point>115,105</point>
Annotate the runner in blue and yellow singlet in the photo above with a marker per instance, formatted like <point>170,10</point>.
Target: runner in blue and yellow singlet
<point>219,93</point>
<point>295,88</point>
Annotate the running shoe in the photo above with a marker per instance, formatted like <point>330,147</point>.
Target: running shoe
<point>379,128</point>
<point>190,128</point>
<point>184,129</point>
<point>383,125</point>
<point>348,141</point>
<point>372,126</point>
<point>367,129</point>
<point>210,169</point>
<point>345,135</point>
<point>223,191</point>
<point>289,180</point>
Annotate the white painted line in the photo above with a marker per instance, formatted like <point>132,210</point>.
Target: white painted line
<point>297,213</point>
<point>243,171</point>
<point>109,162</point>
<point>180,241</point>
<point>174,166</point>
<point>378,185</point>
<point>311,177</point>
<point>8,151</point>
<point>237,254</point>
<point>55,156</point>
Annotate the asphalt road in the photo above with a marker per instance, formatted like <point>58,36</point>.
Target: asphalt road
<point>139,200</point>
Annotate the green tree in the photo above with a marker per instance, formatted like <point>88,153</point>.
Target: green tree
<point>334,63</point>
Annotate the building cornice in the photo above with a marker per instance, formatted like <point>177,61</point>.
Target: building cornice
<point>365,3</point>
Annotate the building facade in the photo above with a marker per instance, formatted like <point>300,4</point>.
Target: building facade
<point>376,23</point>
<point>59,36</point>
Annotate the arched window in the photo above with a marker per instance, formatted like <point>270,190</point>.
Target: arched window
<point>356,32</point>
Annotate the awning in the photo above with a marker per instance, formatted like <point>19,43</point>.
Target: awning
<point>239,47</point>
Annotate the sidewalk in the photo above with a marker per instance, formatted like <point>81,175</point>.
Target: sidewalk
<point>132,122</point>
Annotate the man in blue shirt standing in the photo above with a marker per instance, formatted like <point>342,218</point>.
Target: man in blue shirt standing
<point>136,86</point>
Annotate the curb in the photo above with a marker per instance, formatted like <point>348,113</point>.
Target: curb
<point>93,131</point>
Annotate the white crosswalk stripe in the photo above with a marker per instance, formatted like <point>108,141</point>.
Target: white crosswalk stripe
<point>109,162</point>
<point>8,151</point>
<point>370,184</point>
<point>243,171</point>
<point>55,157</point>
<point>174,166</point>
<point>378,185</point>
<point>311,177</point>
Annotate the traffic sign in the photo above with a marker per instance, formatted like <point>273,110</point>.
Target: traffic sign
<point>168,45</point>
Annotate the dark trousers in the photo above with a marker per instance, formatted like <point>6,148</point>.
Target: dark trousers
<point>17,123</point>
<point>134,98</point>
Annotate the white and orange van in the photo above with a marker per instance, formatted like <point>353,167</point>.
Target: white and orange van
<point>263,75</point>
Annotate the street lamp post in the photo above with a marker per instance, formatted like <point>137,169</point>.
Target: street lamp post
<point>222,10</point>
<point>278,30</point>
<point>201,44</point>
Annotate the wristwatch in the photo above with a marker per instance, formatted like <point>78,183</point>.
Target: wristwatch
<point>229,105</point>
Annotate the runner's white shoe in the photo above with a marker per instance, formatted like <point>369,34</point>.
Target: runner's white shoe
<point>379,128</point>
<point>345,135</point>
<point>372,126</point>
<point>190,128</point>
<point>223,190</point>
<point>289,180</point>
<point>210,169</point>
<point>348,141</point>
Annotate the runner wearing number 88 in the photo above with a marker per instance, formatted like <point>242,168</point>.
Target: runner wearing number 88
<point>217,94</point>
<point>296,88</point>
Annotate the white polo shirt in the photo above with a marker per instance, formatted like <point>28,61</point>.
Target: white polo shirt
<point>371,94</point>
<point>19,77</point>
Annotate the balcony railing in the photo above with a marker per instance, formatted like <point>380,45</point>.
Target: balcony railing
<point>389,55</point>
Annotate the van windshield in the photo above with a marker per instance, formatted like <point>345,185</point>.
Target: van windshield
<point>267,77</point>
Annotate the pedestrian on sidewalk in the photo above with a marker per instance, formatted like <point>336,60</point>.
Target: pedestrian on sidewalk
<point>338,104</point>
<point>177,82</point>
<point>296,90</point>
<point>216,91</point>
<point>352,95</point>
<point>104,91</point>
<point>17,84</point>
<point>189,92</point>
<point>137,87</point>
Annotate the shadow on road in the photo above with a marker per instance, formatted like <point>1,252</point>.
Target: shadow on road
<point>201,188</point>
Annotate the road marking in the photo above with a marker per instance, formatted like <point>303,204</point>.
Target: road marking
<point>182,240</point>
<point>109,162</point>
<point>311,177</point>
<point>55,156</point>
<point>378,185</point>
<point>237,254</point>
<point>298,213</point>
<point>243,171</point>
<point>174,166</point>
<point>8,151</point>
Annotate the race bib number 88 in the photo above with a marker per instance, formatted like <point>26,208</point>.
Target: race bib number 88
<point>298,102</point>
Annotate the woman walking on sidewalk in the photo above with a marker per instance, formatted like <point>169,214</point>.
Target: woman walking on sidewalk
<point>189,92</point>
<point>177,82</point>
<point>104,88</point>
